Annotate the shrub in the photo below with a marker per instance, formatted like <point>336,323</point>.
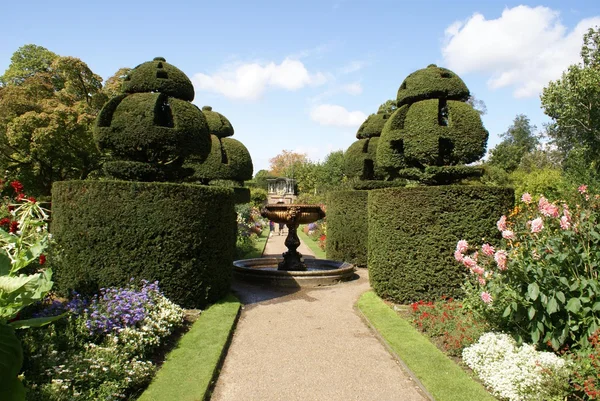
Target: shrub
<point>412,235</point>
<point>372,126</point>
<point>429,83</point>
<point>348,227</point>
<point>542,284</point>
<point>101,350</point>
<point>218,124</point>
<point>159,76</point>
<point>178,234</point>
<point>586,369</point>
<point>448,322</point>
<point>360,160</point>
<point>518,373</point>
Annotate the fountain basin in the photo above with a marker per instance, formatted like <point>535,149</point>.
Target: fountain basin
<point>319,272</point>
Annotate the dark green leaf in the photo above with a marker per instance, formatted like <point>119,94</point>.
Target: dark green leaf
<point>11,355</point>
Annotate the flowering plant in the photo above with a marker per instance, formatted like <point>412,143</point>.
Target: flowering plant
<point>542,283</point>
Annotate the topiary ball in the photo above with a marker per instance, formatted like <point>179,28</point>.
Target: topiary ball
<point>431,83</point>
<point>360,160</point>
<point>218,124</point>
<point>372,126</point>
<point>159,76</point>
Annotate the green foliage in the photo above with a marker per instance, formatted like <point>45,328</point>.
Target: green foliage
<point>159,76</point>
<point>573,103</point>
<point>107,232</point>
<point>432,82</point>
<point>228,160</point>
<point>347,226</point>
<point>113,86</point>
<point>519,140</point>
<point>536,182</point>
<point>372,126</point>
<point>441,175</point>
<point>260,179</point>
<point>218,124</point>
<point>546,292</point>
<point>374,184</point>
<point>27,61</point>
<point>388,107</point>
<point>284,164</point>
<point>413,231</point>
<point>258,197</point>
<point>360,160</point>
<point>150,128</point>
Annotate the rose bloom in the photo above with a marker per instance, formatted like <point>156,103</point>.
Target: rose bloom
<point>508,234</point>
<point>486,297</point>
<point>564,223</point>
<point>481,281</point>
<point>500,258</point>
<point>487,249</point>
<point>582,189</point>
<point>526,198</point>
<point>470,263</point>
<point>458,256</point>
<point>478,270</point>
<point>462,246</point>
<point>501,224</point>
<point>550,210</point>
<point>536,225</point>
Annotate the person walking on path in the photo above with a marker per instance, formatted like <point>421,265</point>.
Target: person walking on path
<point>271,226</point>
<point>280,228</point>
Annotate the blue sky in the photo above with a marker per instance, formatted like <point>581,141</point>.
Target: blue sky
<point>303,75</point>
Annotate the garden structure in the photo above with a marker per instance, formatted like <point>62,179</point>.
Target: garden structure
<point>428,141</point>
<point>142,221</point>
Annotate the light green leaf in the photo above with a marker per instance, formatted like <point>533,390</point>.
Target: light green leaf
<point>533,291</point>
<point>552,306</point>
<point>36,322</point>
<point>560,296</point>
<point>573,305</point>
<point>531,312</point>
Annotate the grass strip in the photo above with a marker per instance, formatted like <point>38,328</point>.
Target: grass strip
<point>191,369</point>
<point>312,245</point>
<point>442,378</point>
<point>259,246</point>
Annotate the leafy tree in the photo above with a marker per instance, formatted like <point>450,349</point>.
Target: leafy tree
<point>286,162</point>
<point>573,103</point>
<point>46,120</point>
<point>519,140</point>
<point>112,86</point>
<point>27,61</point>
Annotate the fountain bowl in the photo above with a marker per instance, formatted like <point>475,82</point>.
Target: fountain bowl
<point>303,214</point>
<point>319,272</point>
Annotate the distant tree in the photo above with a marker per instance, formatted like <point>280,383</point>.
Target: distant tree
<point>519,140</point>
<point>331,172</point>
<point>27,61</point>
<point>573,104</point>
<point>260,180</point>
<point>285,163</point>
<point>112,86</point>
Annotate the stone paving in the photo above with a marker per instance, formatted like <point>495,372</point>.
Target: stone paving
<point>308,344</point>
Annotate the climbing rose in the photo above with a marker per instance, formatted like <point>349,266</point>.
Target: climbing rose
<point>526,197</point>
<point>478,270</point>
<point>458,256</point>
<point>501,224</point>
<point>564,223</point>
<point>486,297</point>
<point>536,225</point>
<point>462,246</point>
<point>481,281</point>
<point>582,189</point>
<point>469,262</point>
<point>547,209</point>
<point>487,249</point>
<point>508,234</point>
<point>500,258</point>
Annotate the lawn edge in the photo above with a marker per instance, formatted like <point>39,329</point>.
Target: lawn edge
<point>228,325</point>
<point>319,253</point>
<point>393,321</point>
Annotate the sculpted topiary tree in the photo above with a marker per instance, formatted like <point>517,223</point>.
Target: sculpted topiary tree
<point>434,132</point>
<point>359,160</point>
<point>147,132</point>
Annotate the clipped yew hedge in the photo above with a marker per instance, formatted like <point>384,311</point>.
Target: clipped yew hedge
<point>413,233</point>
<point>347,227</point>
<point>107,232</point>
<point>432,82</point>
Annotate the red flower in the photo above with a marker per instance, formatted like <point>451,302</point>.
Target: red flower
<point>17,186</point>
<point>31,199</point>
<point>20,197</point>
<point>14,227</point>
<point>5,223</point>
<point>42,259</point>
<point>11,208</point>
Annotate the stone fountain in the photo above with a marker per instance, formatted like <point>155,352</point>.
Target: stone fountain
<point>293,270</point>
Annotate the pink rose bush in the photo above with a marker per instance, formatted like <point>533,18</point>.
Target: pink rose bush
<point>540,283</point>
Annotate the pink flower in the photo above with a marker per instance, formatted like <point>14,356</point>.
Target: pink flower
<point>486,297</point>
<point>508,234</point>
<point>478,270</point>
<point>501,224</point>
<point>481,281</point>
<point>564,223</point>
<point>547,209</point>
<point>582,189</point>
<point>462,246</point>
<point>458,256</point>
<point>526,198</point>
<point>500,258</point>
<point>566,212</point>
<point>487,249</point>
<point>536,225</point>
<point>469,262</point>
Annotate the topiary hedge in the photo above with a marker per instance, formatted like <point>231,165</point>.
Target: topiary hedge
<point>218,124</point>
<point>413,233</point>
<point>159,76</point>
<point>107,232</point>
<point>372,126</point>
<point>347,227</point>
<point>360,160</point>
<point>430,83</point>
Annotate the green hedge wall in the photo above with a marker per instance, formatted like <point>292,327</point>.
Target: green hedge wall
<point>413,234</point>
<point>107,232</point>
<point>347,227</point>
<point>432,82</point>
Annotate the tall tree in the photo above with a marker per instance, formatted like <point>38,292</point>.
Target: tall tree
<point>112,86</point>
<point>27,61</point>
<point>519,140</point>
<point>286,162</point>
<point>573,104</point>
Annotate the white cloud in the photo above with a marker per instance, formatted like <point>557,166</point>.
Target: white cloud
<point>353,88</point>
<point>249,81</point>
<point>353,66</point>
<point>524,49</point>
<point>338,116</point>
